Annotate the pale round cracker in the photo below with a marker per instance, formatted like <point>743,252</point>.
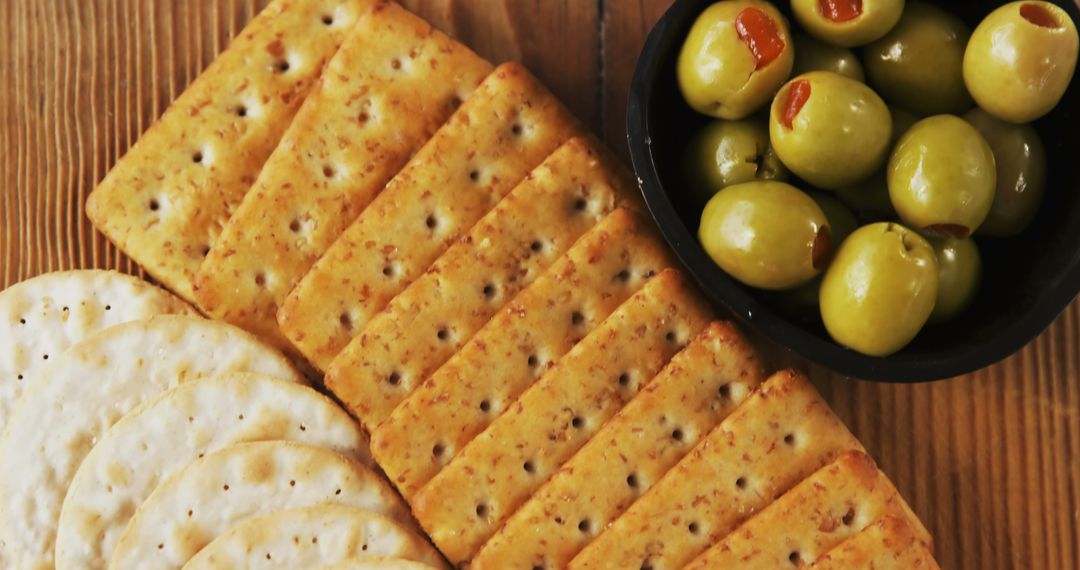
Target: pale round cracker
<point>312,537</point>
<point>164,435</point>
<point>238,483</point>
<point>87,389</point>
<point>376,564</point>
<point>44,315</point>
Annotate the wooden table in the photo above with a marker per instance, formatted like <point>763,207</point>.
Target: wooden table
<point>990,461</point>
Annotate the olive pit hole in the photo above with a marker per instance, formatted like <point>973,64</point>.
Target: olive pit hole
<point>1040,15</point>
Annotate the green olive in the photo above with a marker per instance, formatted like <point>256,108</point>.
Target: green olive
<point>841,223</point>
<point>736,56</point>
<point>942,177</point>
<point>1021,59</point>
<point>813,55</point>
<point>959,273</point>
<point>880,289</point>
<point>725,153</point>
<point>919,64</point>
<point>1021,173</point>
<point>829,130</point>
<point>847,23</point>
<point>870,198</point>
<point>766,234</point>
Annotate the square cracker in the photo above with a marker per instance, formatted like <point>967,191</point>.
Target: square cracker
<point>695,391</point>
<point>164,203</point>
<point>515,348</point>
<point>438,313</point>
<point>508,126</point>
<point>887,544</point>
<point>781,434</point>
<point>819,513</point>
<point>498,470</point>
<point>392,84</point>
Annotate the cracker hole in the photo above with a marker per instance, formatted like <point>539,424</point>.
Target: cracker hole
<point>225,487</point>
<point>388,270</point>
<point>431,222</point>
<point>485,406</point>
<point>578,422</point>
<point>240,417</point>
<point>108,307</point>
<point>44,356</point>
<point>197,157</point>
<point>260,279</point>
<point>314,540</point>
<point>693,528</point>
<point>443,334</point>
<point>724,391</point>
<point>292,483</point>
<point>849,517</point>
<point>20,376</point>
<point>795,558</point>
<point>205,250</point>
<point>364,548</point>
<point>740,483</point>
<point>671,337</point>
<point>584,526</point>
<point>190,512</point>
<point>529,467</point>
<point>474,175</point>
<point>539,567</point>
<point>789,439</point>
<point>516,129</point>
<point>580,204</point>
<point>160,546</point>
<point>632,481</point>
<point>241,111</point>
<point>577,318</point>
<point>22,321</point>
<point>154,205</point>
<point>624,379</point>
<point>268,556</point>
<point>623,276</point>
<point>337,492</point>
<point>303,427</point>
<point>394,378</point>
<point>533,361</point>
<point>438,449</point>
<point>456,101</point>
<point>328,171</point>
<point>327,20</point>
<point>294,226</point>
<point>345,320</point>
<point>395,63</point>
<point>282,65</point>
<point>646,565</point>
<point>677,434</point>
<point>536,246</point>
<point>489,291</point>
<point>481,510</point>
<point>364,117</point>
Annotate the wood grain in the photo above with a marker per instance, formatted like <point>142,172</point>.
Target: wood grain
<point>991,461</point>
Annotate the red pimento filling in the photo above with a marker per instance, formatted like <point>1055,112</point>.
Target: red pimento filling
<point>758,31</point>
<point>797,95</point>
<point>1039,15</point>
<point>840,10</point>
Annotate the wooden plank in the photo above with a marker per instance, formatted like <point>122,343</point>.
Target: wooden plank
<point>991,461</point>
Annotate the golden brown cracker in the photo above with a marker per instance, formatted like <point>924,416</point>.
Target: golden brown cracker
<point>515,348</point>
<point>504,130</point>
<point>439,312</point>
<point>164,203</point>
<point>781,434</point>
<point>887,544</point>
<point>392,84</point>
<point>695,391</point>
<point>498,470</point>
<point>819,513</point>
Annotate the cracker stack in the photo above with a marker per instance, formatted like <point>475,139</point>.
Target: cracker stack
<point>479,281</point>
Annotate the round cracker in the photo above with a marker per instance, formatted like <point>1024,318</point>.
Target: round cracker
<point>164,435</point>
<point>313,537</point>
<point>87,389</point>
<point>238,483</point>
<point>44,315</point>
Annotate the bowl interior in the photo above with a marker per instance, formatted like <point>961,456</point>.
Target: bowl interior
<point>1028,280</point>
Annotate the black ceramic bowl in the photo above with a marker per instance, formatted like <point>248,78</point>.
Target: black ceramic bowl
<point>1027,281</point>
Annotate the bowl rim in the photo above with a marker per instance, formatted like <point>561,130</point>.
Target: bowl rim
<point>725,291</point>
